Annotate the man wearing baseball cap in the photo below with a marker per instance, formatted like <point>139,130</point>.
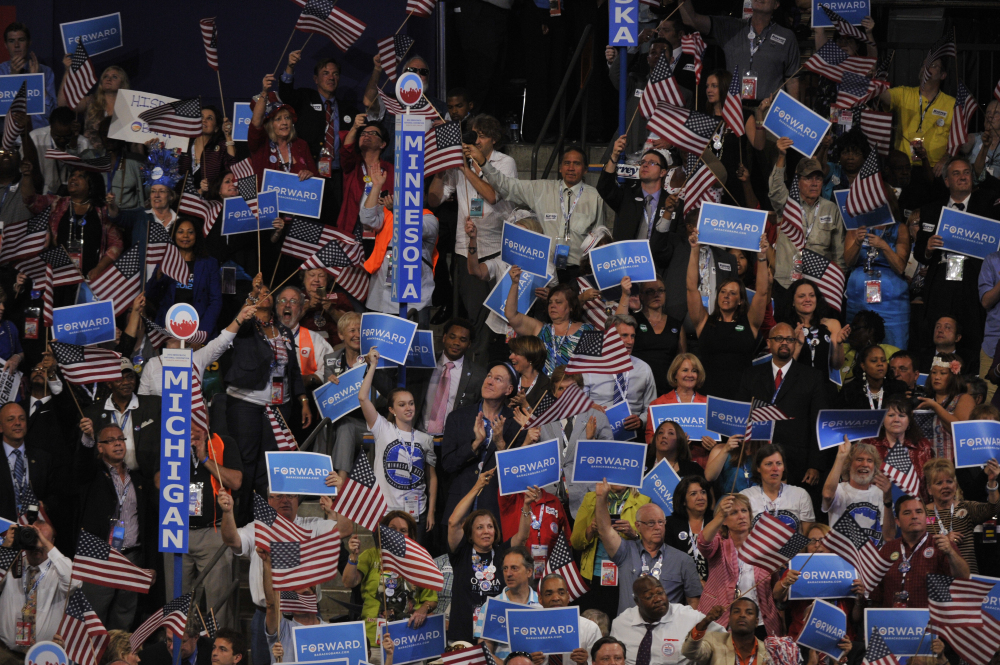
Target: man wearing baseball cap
<point>822,224</point>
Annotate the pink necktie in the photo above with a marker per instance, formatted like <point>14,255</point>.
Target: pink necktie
<point>436,424</point>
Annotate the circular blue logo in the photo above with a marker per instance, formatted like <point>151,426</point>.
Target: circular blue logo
<point>409,88</point>
<point>182,321</point>
<point>46,653</point>
<point>404,466</point>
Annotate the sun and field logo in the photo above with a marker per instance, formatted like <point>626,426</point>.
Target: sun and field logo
<point>409,89</point>
<point>182,321</point>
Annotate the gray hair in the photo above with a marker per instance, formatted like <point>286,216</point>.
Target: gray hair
<point>298,292</point>
<point>615,319</point>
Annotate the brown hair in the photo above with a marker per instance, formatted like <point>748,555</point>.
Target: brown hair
<point>571,297</point>
<point>559,375</point>
<point>903,405</point>
<point>985,412</point>
<point>471,518</point>
<point>741,310</point>
<point>411,525</point>
<point>531,348</point>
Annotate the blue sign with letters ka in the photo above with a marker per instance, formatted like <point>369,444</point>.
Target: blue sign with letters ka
<point>295,197</point>
<point>87,324</point>
<point>730,226</point>
<point>790,118</point>
<point>623,19</point>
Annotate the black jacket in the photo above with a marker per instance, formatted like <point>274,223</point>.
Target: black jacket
<point>158,654</point>
<point>145,425</point>
<point>852,395</point>
<point>627,202</point>
<point>803,393</point>
<point>310,124</point>
<point>252,357</point>
<point>469,384</point>
<point>39,479</point>
<point>673,251</point>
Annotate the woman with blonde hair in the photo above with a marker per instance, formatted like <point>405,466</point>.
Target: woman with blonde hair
<point>100,104</point>
<point>950,514</point>
<point>118,648</point>
<point>686,374</point>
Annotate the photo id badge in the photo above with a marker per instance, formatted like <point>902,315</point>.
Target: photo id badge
<point>116,538</point>
<point>194,499</point>
<point>990,531</point>
<point>539,553</point>
<point>748,85</point>
<point>956,266</point>
<point>873,291</point>
<point>562,255</point>
<point>609,573</point>
<point>476,207</point>
<point>31,317</point>
<point>325,166</point>
<point>555,8</point>
<point>412,507</point>
<point>278,391</point>
<point>25,632</point>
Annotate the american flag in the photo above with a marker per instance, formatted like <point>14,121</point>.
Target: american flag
<point>299,603</point>
<point>7,557</point>
<point>593,310</point>
<point>693,45</point>
<point>191,203</point>
<point>898,467</point>
<point>942,48</point>
<point>121,281</point>
<point>826,275</point>
<point>832,61</point>
<point>306,237</point>
<point>41,279</point>
<point>180,118</point>
<point>209,626</point>
<point>771,544</point>
<point>86,365</point>
<point>443,148</point>
<point>422,8</point>
<point>790,221</point>
<point>360,499</point>
<point>732,109</point>
<point>342,258</point>
<point>976,642</point>
<point>210,38</point>
<point>955,602</point>
<point>246,183</point>
<point>96,562</point>
<point>763,412</point>
<point>422,107</point>
<point>403,556</point>
<point>477,655</point>
<point>392,51</point>
<point>84,636</point>
<point>844,27</point>
<point>698,187</point>
<point>158,335</point>
<point>296,565</point>
<point>199,414</point>
<point>282,434</point>
<point>854,90</point>
<point>599,353</point>
<point>965,107</point>
<point>11,129</point>
<point>80,78</point>
<point>848,540</point>
<point>100,164</point>
<point>662,86</point>
<point>270,527</point>
<point>64,271</point>
<point>867,193</point>
<point>162,251</point>
<point>882,63</point>
<point>25,239</point>
<point>878,653</point>
<point>573,401</point>
<point>877,128</point>
<point>561,562</point>
<point>686,129</point>
<point>322,17</point>
<point>173,615</point>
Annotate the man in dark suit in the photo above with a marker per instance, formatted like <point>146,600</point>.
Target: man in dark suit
<point>951,287</point>
<point>137,415</point>
<point>464,378</point>
<point>195,650</point>
<point>321,119</point>
<point>800,392</point>
<point>642,208</point>
<point>27,471</point>
<point>113,507</point>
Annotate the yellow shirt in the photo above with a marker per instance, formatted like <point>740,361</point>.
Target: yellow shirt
<point>907,103</point>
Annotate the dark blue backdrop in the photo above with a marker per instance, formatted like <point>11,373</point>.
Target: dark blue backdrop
<point>163,51</point>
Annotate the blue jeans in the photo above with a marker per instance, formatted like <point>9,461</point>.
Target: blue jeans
<point>259,654</point>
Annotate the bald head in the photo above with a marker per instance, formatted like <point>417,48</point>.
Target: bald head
<point>651,524</point>
<point>13,424</point>
<point>780,342</point>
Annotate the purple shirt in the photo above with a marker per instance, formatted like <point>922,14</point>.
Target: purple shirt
<point>989,274</point>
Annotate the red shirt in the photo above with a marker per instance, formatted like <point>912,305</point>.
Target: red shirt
<point>920,453</point>
<point>926,560</point>
<point>354,186</point>
<point>263,156</point>
<point>548,510</point>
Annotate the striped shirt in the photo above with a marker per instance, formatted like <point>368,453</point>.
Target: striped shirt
<point>967,516</point>
<point>128,510</point>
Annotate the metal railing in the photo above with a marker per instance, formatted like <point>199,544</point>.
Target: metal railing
<point>198,589</point>
<point>559,104</point>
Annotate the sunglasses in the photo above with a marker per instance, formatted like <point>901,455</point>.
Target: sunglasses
<point>423,71</point>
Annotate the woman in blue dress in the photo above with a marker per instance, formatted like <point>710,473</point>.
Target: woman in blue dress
<point>877,283</point>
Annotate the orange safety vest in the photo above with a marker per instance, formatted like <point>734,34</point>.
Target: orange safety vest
<point>307,354</point>
<point>382,241</point>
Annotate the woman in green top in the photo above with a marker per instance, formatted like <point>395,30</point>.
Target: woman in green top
<point>379,588</point>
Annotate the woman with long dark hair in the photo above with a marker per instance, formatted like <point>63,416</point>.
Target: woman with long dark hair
<point>671,443</point>
<point>727,337</point>
<point>900,428</point>
<point>692,502</point>
<point>948,400</point>
<point>658,338</point>
<point>870,385</point>
<point>203,288</point>
<point>211,151</point>
<point>819,335</point>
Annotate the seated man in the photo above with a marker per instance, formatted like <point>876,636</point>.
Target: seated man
<point>740,646</point>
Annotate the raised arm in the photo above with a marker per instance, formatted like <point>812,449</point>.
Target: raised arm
<point>763,296</point>
<point>531,495</point>
<point>463,507</point>
<point>695,307</point>
<point>258,110</point>
<point>521,323</point>
<point>712,528</point>
<point>717,458</point>
<point>476,269</point>
<point>364,395</point>
<point>272,618</point>
<point>833,478</point>
<point>699,22</point>
<point>609,537</point>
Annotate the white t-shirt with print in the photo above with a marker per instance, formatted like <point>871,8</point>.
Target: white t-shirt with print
<point>793,505</point>
<point>865,506</point>
<point>402,460</point>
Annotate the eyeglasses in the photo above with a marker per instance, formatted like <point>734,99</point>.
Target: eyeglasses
<point>653,292</point>
<point>652,523</point>
<point>114,440</point>
<point>288,301</point>
<point>785,340</point>
<point>372,132</point>
<point>649,162</point>
<point>423,71</point>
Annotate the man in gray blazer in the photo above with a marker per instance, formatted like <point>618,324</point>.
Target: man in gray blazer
<point>455,371</point>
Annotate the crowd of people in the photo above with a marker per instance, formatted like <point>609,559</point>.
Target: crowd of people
<point>915,333</point>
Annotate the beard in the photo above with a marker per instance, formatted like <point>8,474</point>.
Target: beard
<point>863,478</point>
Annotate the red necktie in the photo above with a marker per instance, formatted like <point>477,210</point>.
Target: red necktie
<point>555,659</point>
<point>777,381</point>
<point>331,134</point>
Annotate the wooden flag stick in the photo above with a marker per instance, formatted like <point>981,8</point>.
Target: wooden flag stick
<point>258,226</point>
<point>786,81</point>
<point>921,642</point>
<point>767,579</point>
<point>275,272</point>
<point>634,113</point>
<point>202,617</point>
<point>283,51</point>
<point>679,5</point>
<point>432,106</point>
<point>408,15</point>
<point>307,39</point>
<point>736,475</point>
<point>286,279</point>
<point>222,99</point>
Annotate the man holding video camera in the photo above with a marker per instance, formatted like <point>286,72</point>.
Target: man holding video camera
<point>34,594</point>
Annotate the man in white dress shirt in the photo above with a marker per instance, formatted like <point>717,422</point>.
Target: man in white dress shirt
<point>667,622</point>
<point>637,386</point>
<point>242,540</point>
<point>552,593</point>
<point>46,574</point>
